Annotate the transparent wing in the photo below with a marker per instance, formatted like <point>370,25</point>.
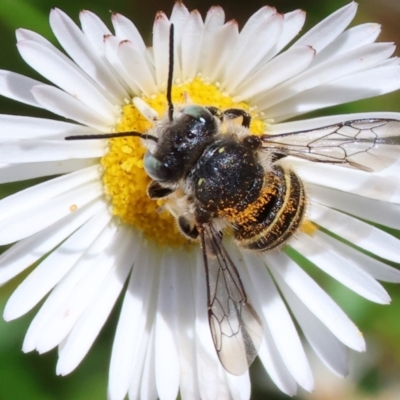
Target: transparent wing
<point>366,144</point>
<point>235,327</point>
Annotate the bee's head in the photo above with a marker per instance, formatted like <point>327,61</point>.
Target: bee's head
<point>181,142</point>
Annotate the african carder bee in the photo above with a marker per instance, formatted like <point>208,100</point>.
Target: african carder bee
<point>237,179</point>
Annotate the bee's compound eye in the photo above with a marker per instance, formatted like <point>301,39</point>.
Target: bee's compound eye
<point>155,168</point>
<point>199,113</point>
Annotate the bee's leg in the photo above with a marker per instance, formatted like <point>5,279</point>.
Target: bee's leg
<point>188,228</point>
<point>233,113</point>
<point>189,223</point>
<point>216,112</point>
<point>156,191</point>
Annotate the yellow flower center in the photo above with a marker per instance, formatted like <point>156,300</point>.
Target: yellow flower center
<point>125,179</point>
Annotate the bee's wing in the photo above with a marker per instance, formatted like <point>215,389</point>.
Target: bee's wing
<point>366,144</point>
<point>235,326</point>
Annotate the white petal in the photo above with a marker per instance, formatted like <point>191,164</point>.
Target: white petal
<point>390,61</point>
<point>328,29</point>
<point>274,365</point>
<point>166,349</point>
<point>191,45</point>
<point>161,50</point>
<point>32,220</point>
<point>44,277</point>
<point>264,36</point>
<point>206,356</point>
<point>125,29</point>
<point>85,55</point>
<point>279,322</point>
<point>27,251</point>
<point>189,388</point>
<point>135,318</point>
<point>179,17</point>
<point>342,66</point>
<point>357,232</point>
<point>219,51</point>
<point>69,310</point>
<point>18,87</point>
<point>292,24</point>
<point>21,127</point>
<point>65,105</point>
<point>317,301</point>
<point>376,269</point>
<point>57,68</point>
<point>222,386</point>
<point>148,389</point>
<point>135,65</point>
<point>37,150</point>
<point>21,172</point>
<point>38,194</point>
<point>257,19</point>
<point>26,34</point>
<point>387,214</point>
<point>214,20</point>
<point>112,45</point>
<point>350,39</point>
<point>372,185</point>
<point>281,68</point>
<point>142,360</point>
<point>149,113</point>
<point>94,29</point>
<point>328,348</point>
<point>239,386</point>
<point>320,250</point>
<point>384,79</point>
<point>102,234</point>
<point>89,324</point>
<point>362,85</point>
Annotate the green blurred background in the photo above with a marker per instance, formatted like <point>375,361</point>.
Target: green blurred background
<point>374,375</point>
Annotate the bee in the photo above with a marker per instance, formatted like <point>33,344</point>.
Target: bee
<point>215,179</point>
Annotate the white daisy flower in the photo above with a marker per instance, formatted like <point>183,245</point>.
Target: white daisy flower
<point>93,227</point>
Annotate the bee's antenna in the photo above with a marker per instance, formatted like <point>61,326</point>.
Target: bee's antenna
<point>170,73</point>
<point>112,136</point>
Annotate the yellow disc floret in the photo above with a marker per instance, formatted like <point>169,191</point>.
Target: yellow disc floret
<point>124,177</point>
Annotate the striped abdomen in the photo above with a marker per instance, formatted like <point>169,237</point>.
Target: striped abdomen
<point>275,216</point>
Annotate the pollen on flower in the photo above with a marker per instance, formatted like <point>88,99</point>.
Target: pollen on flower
<point>124,177</point>
<point>308,227</point>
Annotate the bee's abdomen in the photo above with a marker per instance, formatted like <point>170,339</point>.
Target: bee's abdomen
<point>275,216</point>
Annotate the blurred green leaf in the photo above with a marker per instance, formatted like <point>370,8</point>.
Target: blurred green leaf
<point>371,382</point>
<point>16,14</point>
